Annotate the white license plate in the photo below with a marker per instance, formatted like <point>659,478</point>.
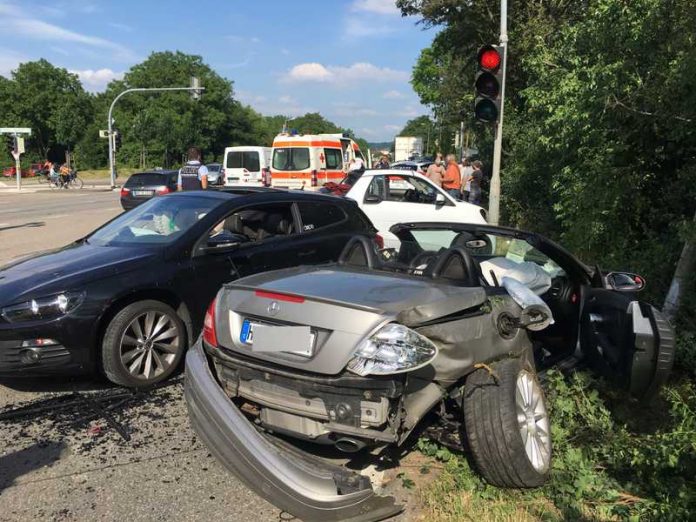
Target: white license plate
<point>143,193</point>
<point>270,338</point>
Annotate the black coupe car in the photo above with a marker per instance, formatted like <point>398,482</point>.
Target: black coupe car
<point>130,298</point>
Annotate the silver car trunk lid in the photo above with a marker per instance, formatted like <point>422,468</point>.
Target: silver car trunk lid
<point>341,306</point>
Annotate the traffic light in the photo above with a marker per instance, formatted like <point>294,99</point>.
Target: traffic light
<point>489,82</point>
<point>11,142</point>
<point>117,140</point>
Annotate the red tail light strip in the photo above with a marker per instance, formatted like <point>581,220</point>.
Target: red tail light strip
<point>280,297</point>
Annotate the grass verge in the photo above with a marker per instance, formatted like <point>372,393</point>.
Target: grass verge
<point>614,458</point>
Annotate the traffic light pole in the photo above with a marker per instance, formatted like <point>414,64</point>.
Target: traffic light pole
<point>112,152</point>
<point>494,197</point>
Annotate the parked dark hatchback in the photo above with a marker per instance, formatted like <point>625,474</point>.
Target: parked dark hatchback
<point>145,185</point>
<point>131,297</point>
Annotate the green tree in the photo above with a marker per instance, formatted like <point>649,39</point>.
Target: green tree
<point>49,100</point>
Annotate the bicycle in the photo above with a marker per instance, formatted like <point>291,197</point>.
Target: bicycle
<point>72,181</point>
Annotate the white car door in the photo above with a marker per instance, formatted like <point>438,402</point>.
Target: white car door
<point>393,198</point>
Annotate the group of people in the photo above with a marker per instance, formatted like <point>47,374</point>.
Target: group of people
<point>61,175</point>
<point>461,180</point>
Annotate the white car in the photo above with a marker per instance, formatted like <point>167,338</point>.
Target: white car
<point>394,196</point>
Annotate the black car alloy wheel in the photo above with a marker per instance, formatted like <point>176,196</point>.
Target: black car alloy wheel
<point>143,344</point>
<point>507,424</point>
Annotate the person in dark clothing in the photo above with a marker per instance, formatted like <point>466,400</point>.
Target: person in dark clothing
<point>383,163</point>
<point>193,175</point>
<point>475,187</point>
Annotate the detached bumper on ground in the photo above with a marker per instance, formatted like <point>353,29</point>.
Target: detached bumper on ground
<point>304,486</point>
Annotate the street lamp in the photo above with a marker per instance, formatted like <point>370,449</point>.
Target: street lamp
<point>195,89</point>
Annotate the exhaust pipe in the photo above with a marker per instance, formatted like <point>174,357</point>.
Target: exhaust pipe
<point>347,445</point>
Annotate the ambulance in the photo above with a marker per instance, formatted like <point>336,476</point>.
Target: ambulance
<point>308,161</point>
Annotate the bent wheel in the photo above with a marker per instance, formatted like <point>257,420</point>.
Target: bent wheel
<point>143,344</point>
<point>507,425</point>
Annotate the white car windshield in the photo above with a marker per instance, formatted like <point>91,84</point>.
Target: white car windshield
<point>160,221</point>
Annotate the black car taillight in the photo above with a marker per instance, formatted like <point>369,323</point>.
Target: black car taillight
<point>209,333</point>
<point>379,241</point>
<point>125,192</point>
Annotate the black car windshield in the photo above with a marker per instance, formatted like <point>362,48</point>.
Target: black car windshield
<point>160,221</point>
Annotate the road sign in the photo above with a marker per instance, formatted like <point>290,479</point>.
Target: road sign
<point>20,145</point>
<point>15,130</point>
<point>103,133</point>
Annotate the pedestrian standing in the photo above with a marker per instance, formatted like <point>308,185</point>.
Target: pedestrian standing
<point>475,187</point>
<point>193,175</point>
<point>435,172</point>
<point>383,162</point>
<point>465,169</point>
<point>452,182</point>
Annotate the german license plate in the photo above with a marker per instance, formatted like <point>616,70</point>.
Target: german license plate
<point>142,193</point>
<point>271,338</point>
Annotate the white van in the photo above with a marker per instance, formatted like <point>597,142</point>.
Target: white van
<point>247,165</point>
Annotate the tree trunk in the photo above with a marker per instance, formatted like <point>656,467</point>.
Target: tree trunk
<point>685,268</point>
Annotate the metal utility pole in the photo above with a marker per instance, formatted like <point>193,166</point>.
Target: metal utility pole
<point>18,134</point>
<point>196,91</point>
<point>494,198</point>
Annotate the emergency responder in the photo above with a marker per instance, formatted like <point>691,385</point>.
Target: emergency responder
<point>193,175</point>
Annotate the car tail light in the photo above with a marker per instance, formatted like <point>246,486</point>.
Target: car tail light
<point>162,190</point>
<point>280,296</point>
<point>314,178</point>
<point>125,192</point>
<point>379,241</point>
<point>209,333</point>
<point>266,177</point>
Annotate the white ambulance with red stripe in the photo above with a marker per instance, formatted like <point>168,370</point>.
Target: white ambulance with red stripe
<point>308,161</point>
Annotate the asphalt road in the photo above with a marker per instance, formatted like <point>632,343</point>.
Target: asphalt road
<point>132,458</point>
<point>38,221</point>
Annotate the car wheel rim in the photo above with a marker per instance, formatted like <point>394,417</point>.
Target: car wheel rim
<point>149,345</point>
<point>533,421</point>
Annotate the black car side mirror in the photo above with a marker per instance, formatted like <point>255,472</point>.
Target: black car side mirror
<point>373,198</point>
<point>625,281</point>
<point>224,240</point>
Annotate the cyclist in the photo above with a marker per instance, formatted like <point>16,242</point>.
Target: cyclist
<point>64,175</point>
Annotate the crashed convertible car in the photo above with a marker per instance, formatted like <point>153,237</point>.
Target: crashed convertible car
<point>355,354</point>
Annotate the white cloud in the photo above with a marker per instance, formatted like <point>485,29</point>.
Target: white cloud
<point>97,80</point>
<point>375,6</point>
<point>393,95</point>
<point>316,72</point>
<point>17,23</point>
<point>285,51</point>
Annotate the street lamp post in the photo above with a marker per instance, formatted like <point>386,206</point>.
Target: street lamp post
<point>112,159</point>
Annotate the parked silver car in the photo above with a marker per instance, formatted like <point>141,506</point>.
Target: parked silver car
<point>216,175</point>
<point>355,354</point>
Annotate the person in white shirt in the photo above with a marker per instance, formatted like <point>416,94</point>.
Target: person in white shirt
<point>466,170</point>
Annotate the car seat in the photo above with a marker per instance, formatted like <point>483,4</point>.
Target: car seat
<point>456,264</point>
<point>360,252</point>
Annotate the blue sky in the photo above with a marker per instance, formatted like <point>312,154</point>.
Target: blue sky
<point>348,59</point>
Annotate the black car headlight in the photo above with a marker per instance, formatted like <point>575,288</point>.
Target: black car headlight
<point>49,307</point>
<point>394,348</point>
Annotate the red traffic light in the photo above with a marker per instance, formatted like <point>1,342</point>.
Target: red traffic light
<point>489,58</point>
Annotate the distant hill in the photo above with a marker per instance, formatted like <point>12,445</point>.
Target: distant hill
<point>382,145</point>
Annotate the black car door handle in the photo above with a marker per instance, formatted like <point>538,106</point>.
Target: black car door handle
<point>307,253</point>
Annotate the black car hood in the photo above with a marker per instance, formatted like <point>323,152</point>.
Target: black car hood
<point>67,268</point>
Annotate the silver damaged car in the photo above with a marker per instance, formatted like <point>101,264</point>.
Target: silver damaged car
<point>354,354</point>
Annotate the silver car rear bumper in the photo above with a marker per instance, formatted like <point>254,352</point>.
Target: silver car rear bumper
<point>304,486</point>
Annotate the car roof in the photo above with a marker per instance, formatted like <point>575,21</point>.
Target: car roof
<point>155,172</point>
<point>260,193</point>
<point>388,172</point>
